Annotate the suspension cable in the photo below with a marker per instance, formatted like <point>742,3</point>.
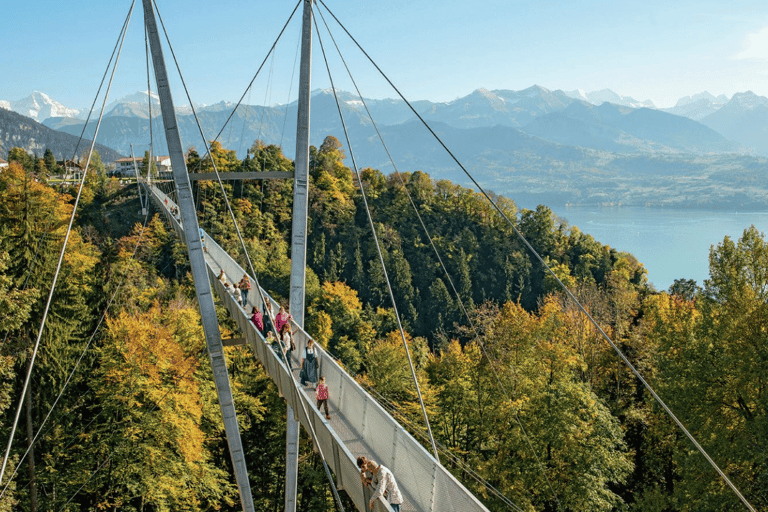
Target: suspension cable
<point>378,249</point>
<point>61,254</point>
<point>394,410</point>
<point>254,76</point>
<point>79,360</point>
<point>290,88</point>
<point>440,260</point>
<point>149,92</point>
<point>120,36</point>
<point>552,273</point>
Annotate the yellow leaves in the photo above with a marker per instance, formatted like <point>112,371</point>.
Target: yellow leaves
<point>550,344</point>
<point>26,203</point>
<point>80,260</point>
<point>156,367</point>
<point>343,295</point>
<point>321,327</point>
<point>245,206</point>
<point>388,368</point>
<point>563,273</point>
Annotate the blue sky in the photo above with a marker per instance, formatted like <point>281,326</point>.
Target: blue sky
<point>431,50</point>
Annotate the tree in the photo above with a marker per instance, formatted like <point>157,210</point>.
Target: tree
<point>156,399</point>
<point>151,165</point>
<point>720,377</point>
<point>441,307</point>
<point>15,308</point>
<point>331,198</point>
<point>452,376</point>
<point>549,417</point>
<point>96,179</point>
<point>50,162</point>
<point>685,288</point>
<point>22,158</point>
<point>711,352</point>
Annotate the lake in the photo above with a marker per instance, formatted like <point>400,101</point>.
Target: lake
<point>671,244</point>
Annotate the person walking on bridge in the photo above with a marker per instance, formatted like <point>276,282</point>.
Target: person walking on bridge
<point>268,325</point>
<point>309,364</point>
<point>322,396</point>
<point>282,318</point>
<point>245,287</point>
<point>257,318</point>
<point>387,485</point>
<point>288,344</point>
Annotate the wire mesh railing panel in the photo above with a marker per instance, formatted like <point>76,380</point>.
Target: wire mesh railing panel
<point>350,475</point>
<point>446,496</point>
<point>377,426</point>
<point>416,466</point>
<point>352,407</point>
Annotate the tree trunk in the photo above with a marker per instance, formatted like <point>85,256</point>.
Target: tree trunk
<point>31,456</point>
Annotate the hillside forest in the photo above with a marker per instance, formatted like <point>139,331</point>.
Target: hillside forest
<point>523,393</point>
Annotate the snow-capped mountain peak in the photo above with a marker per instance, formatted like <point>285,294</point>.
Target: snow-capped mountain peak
<point>687,100</point>
<point>607,95</point>
<point>39,106</point>
<point>749,100</point>
<point>578,94</point>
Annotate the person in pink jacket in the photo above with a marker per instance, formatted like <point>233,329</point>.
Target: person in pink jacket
<point>321,393</point>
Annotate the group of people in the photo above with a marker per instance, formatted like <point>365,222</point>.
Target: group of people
<point>285,347</point>
<point>372,474</point>
<point>382,481</point>
<point>239,290</point>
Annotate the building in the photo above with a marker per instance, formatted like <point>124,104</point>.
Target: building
<point>3,163</point>
<point>128,166</point>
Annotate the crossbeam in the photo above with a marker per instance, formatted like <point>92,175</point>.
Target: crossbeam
<point>232,176</point>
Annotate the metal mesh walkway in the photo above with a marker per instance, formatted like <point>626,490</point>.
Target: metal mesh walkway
<point>358,424</point>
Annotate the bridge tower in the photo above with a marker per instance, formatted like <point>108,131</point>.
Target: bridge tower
<point>299,241</point>
<point>197,262</point>
<point>197,258</point>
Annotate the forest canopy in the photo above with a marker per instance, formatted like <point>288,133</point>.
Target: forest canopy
<point>518,384</point>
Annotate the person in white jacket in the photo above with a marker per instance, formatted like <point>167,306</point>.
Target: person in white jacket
<point>386,485</point>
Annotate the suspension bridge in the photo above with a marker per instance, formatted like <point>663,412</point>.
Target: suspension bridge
<point>357,425</point>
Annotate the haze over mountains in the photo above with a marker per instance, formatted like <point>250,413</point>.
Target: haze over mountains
<point>554,146</point>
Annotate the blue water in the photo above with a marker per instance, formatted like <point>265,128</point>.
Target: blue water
<point>671,244</point>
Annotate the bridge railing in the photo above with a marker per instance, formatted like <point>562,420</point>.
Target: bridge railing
<point>360,425</point>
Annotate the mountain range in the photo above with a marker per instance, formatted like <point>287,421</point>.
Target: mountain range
<point>555,146</point>
<point>569,118</point>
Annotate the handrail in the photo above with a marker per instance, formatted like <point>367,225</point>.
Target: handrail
<point>360,426</point>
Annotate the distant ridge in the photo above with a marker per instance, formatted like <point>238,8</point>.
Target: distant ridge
<point>745,119</point>
<point>20,131</point>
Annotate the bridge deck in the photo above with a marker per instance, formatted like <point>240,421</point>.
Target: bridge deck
<point>358,424</point>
